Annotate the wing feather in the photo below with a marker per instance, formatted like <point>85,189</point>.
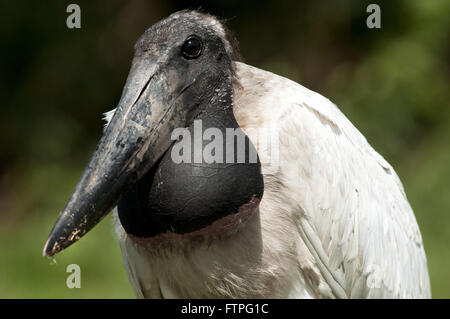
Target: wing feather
<point>348,203</point>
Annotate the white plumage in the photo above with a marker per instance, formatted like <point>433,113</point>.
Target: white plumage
<point>334,221</point>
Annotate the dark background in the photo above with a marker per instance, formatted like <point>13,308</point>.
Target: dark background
<point>55,82</point>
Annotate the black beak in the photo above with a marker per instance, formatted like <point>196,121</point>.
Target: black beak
<point>137,136</point>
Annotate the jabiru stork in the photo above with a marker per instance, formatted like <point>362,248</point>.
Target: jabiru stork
<point>331,220</point>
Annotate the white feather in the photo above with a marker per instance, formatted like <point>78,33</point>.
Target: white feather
<point>334,220</point>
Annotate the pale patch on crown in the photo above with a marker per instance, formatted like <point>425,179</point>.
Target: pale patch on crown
<point>211,22</point>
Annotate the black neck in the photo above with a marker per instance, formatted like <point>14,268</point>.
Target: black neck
<point>186,197</point>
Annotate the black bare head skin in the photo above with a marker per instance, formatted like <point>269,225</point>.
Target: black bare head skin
<point>189,196</point>
<point>195,51</point>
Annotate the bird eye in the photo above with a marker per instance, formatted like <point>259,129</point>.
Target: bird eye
<point>192,47</point>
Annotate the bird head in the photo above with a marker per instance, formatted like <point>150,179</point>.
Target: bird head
<point>182,70</point>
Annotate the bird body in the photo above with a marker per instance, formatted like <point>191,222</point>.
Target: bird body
<point>334,221</point>
<point>316,213</point>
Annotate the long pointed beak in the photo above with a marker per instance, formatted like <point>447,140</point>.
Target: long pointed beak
<point>137,136</point>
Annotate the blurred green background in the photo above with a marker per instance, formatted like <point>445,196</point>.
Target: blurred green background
<point>55,82</point>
